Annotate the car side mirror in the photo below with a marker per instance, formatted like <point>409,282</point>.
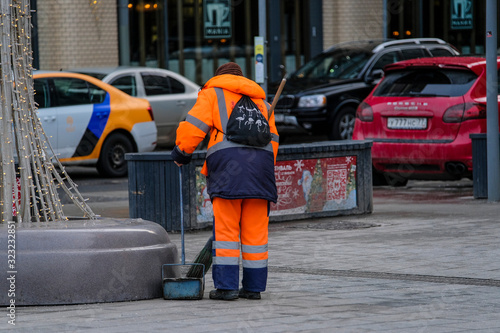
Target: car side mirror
<point>375,76</point>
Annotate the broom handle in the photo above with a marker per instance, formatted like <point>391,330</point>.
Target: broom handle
<point>183,255</point>
<point>278,93</point>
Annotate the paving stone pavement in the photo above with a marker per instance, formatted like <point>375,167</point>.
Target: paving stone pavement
<point>425,260</point>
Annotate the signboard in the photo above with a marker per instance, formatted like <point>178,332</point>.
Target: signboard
<point>217,18</point>
<point>259,59</point>
<point>304,186</point>
<point>461,14</point>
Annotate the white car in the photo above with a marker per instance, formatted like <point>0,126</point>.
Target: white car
<point>89,122</point>
<point>171,95</point>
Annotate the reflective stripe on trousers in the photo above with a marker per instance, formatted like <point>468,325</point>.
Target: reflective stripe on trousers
<point>244,220</point>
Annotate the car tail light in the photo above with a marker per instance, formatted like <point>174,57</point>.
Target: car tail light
<point>465,111</point>
<point>150,110</point>
<point>364,112</point>
<point>475,111</point>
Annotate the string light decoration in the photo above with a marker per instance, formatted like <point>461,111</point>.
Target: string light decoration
<point>30,173</point>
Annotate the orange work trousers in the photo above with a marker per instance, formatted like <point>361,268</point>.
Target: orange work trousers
<point>240,224</point>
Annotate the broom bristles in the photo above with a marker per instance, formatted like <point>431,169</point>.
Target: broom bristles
<point>205,258</point>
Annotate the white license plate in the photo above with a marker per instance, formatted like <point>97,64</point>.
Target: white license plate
<point>406,123</point>
<point>279,117</point>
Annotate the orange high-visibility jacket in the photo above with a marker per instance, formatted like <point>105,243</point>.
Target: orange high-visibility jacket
<point>233,170</point>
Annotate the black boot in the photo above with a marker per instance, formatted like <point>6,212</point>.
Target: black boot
<point>248,294</point>
<point>226,295</point>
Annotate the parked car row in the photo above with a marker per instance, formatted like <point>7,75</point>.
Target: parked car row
<point>97,117</point>
<point>321,97</point>
<point>418,112</point>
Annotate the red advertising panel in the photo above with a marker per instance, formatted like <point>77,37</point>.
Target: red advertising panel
<point>304,186</point>
<point>314,185</point>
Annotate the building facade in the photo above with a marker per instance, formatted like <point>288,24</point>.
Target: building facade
<point>193,37</point>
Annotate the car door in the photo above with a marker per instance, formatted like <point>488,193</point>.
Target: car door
<point>46,113</point>
<point>73,112</point>
<point>167,98</point>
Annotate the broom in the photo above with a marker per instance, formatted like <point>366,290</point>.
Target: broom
<point>205,258</point>
<point>205,255</point>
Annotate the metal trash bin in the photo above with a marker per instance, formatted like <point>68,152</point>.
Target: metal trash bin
<point>479,165</point>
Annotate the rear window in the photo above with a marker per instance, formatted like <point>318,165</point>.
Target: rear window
<point>426,83</point>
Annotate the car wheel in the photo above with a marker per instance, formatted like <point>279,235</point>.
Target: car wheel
<point>112,161</point>
<point>343,124</point>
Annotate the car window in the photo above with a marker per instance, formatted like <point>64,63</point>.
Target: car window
<point>386,59</point>
<point>97,95</point>
<point>42,93</point>
<point>426,82</point>
<point>72,91</point>
<point>340,64</point>
<point>126,84</point>
<point>156,85</point>
<point>440,52</point>
<point>177,86</point>
<point>414,53</point>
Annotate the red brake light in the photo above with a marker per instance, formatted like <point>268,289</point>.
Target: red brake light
<point>364,112</point>
<point>465,111</point>
<point>150,110</point>
<point>475,111</point>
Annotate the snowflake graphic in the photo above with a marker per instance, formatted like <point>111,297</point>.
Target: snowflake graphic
<point>295,193</point>
<point>349,159</point>
<point>298,165</point>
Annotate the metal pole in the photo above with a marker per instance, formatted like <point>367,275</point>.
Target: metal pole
<point>492,137</point>
<point>124,32</point>
<point>385,23</point>
<point>262,32</point>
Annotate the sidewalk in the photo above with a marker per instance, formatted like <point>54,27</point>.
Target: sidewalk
<point>425,260</point>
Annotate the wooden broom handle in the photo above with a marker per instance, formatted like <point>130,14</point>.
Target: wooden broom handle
<point>277,96</point>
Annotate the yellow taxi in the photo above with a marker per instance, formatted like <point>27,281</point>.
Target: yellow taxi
<point>89,122</point>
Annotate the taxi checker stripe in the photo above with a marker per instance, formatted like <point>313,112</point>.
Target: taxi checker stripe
<point>95,128</point>
<point>225,260</point>
<point>198,123</point>
<point>226,245</point>
<point>254,248</point>
<point>254,263</point>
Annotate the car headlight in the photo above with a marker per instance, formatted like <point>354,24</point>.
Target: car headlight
<point>312,101</point>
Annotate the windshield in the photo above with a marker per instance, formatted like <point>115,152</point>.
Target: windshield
<point>339,64</point>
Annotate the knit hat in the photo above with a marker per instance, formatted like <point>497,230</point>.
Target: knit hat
<point>229,68</point>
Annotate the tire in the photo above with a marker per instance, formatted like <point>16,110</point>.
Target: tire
<point>342,126</point>
<point>112,161</point>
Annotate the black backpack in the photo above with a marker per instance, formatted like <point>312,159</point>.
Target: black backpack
<point>247,125</point>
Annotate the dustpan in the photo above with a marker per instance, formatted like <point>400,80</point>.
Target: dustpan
<point>175,287</point>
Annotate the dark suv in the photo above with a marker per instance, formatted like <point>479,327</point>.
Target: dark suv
<point>321,97</point>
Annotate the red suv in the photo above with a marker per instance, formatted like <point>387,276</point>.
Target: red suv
<point>420,116</point>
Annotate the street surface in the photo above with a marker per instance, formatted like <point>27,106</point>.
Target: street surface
<point>425,260</point>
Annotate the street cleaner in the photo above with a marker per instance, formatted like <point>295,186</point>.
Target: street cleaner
<point>239,169</point>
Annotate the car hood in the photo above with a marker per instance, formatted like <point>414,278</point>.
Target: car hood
<point>305,86</point>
